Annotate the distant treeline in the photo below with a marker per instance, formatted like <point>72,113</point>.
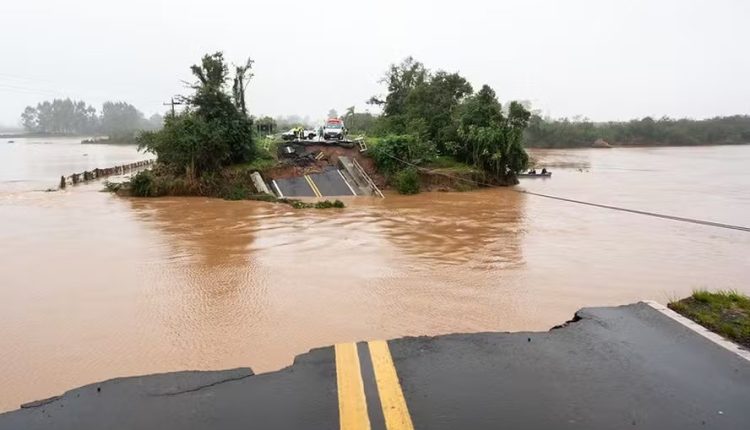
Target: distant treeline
<point>564,133</point>
<point>118,120</point>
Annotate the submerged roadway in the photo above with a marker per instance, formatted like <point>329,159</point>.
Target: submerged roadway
<point>610,368</point>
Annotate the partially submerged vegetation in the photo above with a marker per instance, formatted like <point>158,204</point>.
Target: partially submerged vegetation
<point>209,149</point>
<point>433,126</point>
<point>724,312</point>
<point>436,117</point>
<point>434,133</point>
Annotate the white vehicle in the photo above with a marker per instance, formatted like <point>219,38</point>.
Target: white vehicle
<point>334,129</point>
<point>294,134</point>
<point>310,134</point>
<point>289,135</point>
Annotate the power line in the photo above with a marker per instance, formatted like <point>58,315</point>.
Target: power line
<point>580,202</point>
<point>25,90</point>
<point>18,85</point>
<point>639,212</point>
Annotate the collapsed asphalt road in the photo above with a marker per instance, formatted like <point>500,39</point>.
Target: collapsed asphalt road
<point>611,368</point>
<point>328,183</point>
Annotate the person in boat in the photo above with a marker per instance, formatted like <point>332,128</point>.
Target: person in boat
<point>544,171</point>
<point>532,172</point>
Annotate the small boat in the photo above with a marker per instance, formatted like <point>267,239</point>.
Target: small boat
<point>535,175</point>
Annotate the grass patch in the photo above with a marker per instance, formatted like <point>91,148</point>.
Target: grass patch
<point>260,164</point>
<point>724,312</point>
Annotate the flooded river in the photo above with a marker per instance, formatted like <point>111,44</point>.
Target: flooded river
<point>93,286</point>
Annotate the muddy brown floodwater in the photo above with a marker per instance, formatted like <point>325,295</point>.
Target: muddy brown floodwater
<point>93,286</point>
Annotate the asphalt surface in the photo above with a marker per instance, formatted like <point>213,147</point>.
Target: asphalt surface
<point>612,368</point>
<point>325,184</point>
<point>295,187</point>
<point>330,183</point>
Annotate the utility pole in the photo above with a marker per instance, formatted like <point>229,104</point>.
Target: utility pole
<point>172,103</point>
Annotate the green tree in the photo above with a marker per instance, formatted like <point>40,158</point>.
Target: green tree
<point>435,102</point>
<point>400,80</point>
<point>489,139</point>
<point>212,132</point>
<point>439,114</point>
<point>422,103</point>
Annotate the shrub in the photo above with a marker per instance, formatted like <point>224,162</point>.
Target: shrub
<point>395,152</point>
<point>237,192</point>
<point>143,184</point>
<point>299,204</point>
<point>407,181</point>
<point>327,204</point>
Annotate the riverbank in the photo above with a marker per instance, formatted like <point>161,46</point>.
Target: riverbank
<point>443,382</point>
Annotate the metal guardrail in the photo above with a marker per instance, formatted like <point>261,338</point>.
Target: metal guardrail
<point>367,178</point>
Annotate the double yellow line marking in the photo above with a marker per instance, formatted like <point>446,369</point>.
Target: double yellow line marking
<point>353,413</point>
<point>352,403</point>
<point>313,186</point>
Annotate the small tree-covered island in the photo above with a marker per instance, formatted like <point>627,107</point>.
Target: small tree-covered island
<point>433,124</point>
<point>435,132</point>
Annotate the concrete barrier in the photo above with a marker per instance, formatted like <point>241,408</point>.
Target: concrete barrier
<point>259,184</point>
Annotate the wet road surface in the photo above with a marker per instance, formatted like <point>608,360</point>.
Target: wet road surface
<point>622,367</point>
<point>329,183</point>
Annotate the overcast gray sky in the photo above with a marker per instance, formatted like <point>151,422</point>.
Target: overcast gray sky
<point>602,59</point>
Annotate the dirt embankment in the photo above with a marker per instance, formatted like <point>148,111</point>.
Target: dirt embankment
<point>302,165</point>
